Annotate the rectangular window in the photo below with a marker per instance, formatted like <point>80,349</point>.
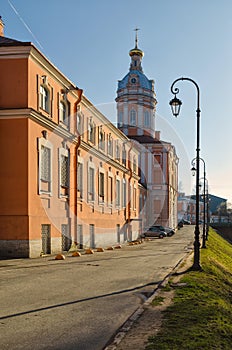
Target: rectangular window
<point>63,172</point>
<point>117,152</point>
<point>110,145</point>
<point>120,118</point>
<point>146,119</point>
<point>118,193</point>
<point>64,169</point>
<point>45,166</point>
<point>101,186</point>
<point>91,132</point>
<point>157,159</point>
<point>64,112</point>
<point>124,193</point>
<point>80,120</point>
<point>101,136</point>
<point>124,157</point>
<point>110,190</point>
<point>91,185</point>
<point>80,179</point>
<point>44,98</point>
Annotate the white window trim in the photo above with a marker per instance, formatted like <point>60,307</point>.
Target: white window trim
<point>91,131</point>
<point>124,160</point>
<point>120,118</point>
<point>42,82</point>
<point>133,117</point>
<point>147,119</point>
<point>117,193</point>
<point>100,200</point>
<point>64,152</point>
<point>110,146</point>
<point>43,142</point>
<point>90,165</point>
<point>82,191</point>
<point>80,126</point>
<point>124,193</point>
<point>66,121</point>
<point>110,202</point>
<point>117,151</point>
<point>101,144</point>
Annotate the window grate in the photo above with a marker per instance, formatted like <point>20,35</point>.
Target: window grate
<point>45,163</point>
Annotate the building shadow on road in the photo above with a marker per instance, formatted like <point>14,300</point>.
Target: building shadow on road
<point>137,288</point>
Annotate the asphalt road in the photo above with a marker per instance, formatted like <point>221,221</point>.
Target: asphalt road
<point>79,303</point>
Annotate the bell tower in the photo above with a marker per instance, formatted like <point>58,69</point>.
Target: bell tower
<point>136,99</point>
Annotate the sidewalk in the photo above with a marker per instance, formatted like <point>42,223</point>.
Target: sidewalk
<point>147,320</point>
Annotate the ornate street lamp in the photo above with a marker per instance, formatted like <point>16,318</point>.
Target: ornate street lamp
<point>175,105</point>
<point>204,194</point>
<point>207,210</point>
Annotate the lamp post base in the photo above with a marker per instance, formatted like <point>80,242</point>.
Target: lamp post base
<point>196,259</point>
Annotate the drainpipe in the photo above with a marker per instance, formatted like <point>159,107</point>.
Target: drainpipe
<point>79,92</point>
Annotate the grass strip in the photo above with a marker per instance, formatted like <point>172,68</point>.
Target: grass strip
<point>201,314</point>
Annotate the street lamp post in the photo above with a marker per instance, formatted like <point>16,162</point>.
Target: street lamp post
<point>207,210</point>
<point>204,210</point>
<point>175,105</point>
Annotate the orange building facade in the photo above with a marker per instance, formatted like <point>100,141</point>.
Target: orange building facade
<point>68,175</point>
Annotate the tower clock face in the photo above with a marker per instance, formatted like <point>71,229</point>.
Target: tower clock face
<point>133,80</point>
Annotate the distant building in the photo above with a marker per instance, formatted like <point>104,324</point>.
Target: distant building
<point>216,202</point>
<point>187,208</point>
<point>218,209</point>
<point>158,162</point>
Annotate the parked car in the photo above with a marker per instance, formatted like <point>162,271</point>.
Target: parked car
<point>168,230</point>
<point>186,222</point>
<point>154,231</point>
<point>180,224</point>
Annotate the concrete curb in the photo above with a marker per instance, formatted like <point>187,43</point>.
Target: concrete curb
<point>123,330</point>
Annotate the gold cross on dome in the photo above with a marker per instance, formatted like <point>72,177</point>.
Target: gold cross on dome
<point>136,36</point>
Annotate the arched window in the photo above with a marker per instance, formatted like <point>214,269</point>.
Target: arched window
<point>117,152</point>
<point>132,117</point>
<point>79,122</point>
<point>63,112</point>
<point>101,139</point>
<point>120,119</point>
<point>64,108</point>
<point>44,98</point>
<point>124,156</point>
<point>91,131</point>
<point>110,145</point>
<point>134,165</point>
<point>146,118</point>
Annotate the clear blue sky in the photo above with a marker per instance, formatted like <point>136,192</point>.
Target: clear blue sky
<point>89,40</point>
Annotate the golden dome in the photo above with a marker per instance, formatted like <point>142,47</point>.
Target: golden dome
<point>136,51</point>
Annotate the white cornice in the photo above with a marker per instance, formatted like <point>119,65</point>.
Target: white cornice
<point>14,51</point>
<point>29,113</point>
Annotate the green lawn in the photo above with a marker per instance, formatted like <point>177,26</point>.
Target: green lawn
<point>201,315</point>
